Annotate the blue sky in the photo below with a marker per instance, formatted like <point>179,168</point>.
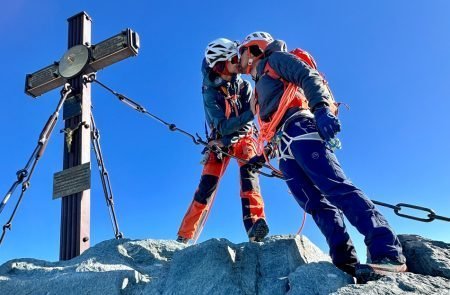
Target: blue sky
<point>388,60</point>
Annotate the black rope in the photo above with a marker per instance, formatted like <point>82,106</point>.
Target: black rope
<point>198,140</point>
<point>26,175</point>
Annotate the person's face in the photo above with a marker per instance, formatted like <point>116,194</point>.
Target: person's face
<point>243,61</point>
<point>233,65</point>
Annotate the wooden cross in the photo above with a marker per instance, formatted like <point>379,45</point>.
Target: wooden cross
<point>81,58</point>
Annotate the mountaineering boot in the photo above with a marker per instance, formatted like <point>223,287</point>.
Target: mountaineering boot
<point>349,268</point>
<point>258,231</point>
<point>182,240</point>
<point>378,269</point>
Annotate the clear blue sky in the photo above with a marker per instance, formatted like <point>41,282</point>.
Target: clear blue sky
<point>388,60</point>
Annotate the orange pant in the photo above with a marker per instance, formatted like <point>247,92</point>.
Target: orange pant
<point>252,202</point>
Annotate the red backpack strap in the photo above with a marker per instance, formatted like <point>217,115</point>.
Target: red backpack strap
<point>300,54</point>
<point>309,60</point>
<point>305,57</point>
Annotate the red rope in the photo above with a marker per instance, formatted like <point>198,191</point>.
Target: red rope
<point>303,223</point>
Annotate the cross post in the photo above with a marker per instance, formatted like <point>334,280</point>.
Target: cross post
<point>75,208</point>
<point>81,58</point>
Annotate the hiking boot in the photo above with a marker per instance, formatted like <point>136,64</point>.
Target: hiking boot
<point>182,240</point>
<point>348,268</point>
<point>258,231</point>
<point>378,269</point>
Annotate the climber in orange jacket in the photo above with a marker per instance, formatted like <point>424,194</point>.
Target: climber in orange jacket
<point>226,98</point>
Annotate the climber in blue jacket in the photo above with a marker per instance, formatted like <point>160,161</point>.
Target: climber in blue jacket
<point>305,133</point>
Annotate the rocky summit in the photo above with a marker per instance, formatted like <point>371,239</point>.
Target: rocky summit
<point>278,265</point>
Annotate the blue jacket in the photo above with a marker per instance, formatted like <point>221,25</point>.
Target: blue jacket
<point>228,130</point>
<point>291,69</point>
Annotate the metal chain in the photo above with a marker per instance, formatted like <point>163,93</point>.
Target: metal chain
<point>197,139</point>
<point>104,176</point>
<point>25,174</point>
<point>397,208</point>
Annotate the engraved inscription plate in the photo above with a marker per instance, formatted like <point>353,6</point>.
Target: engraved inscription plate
<point>110,46</point>
<point>71,181</point>
<point>43,76</point>
<point>114,49</point>
<point>43,80</point>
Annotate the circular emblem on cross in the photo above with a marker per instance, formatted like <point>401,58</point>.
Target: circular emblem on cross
<point>74,61</point>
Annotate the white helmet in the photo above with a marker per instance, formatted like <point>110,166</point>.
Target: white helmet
<point>220,50</point>
<point>261,39</point>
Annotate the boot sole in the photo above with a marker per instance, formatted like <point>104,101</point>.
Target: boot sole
<point>260,232</point>
<point>376,272</point>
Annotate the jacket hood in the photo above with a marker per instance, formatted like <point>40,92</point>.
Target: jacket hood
<point>277,45</point>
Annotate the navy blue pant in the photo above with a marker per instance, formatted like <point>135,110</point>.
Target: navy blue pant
<point>319,185</point>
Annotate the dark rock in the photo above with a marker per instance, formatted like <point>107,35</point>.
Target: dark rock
<point>317,278</point>
<point>403,283</point>
<point>425,256</point>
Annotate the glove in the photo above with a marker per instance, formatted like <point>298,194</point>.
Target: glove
<point>256,162</point>
<point>327,123</point>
